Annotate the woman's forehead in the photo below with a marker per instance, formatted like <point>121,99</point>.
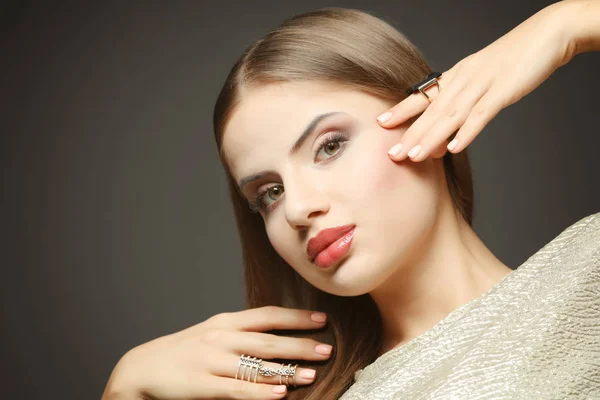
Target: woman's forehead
<point>283,94</point>
<point>290,105</point>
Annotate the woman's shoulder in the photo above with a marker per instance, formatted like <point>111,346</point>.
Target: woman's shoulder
<point>583,235</point>
<point>574,251</point>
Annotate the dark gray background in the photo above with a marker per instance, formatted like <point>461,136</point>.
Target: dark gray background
<point>116,225</point>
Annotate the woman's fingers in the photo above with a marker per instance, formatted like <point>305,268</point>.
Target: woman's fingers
<point>443,117</point>
<point>416,103</point>
<point>449,108</point>
<point>267,318</point>
<point>227,367</point>
<point>413,105</point>
<point>227,388</point>
<point>247,339</point>
<point>440,122</point>
<point>266,345</point>
<point>483,112</point>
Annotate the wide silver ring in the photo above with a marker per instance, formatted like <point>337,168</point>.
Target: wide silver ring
<point>248,362</point>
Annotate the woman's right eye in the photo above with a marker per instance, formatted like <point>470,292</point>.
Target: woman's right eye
<point>259,203</point>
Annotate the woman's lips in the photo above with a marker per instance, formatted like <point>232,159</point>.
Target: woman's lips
<point>324,238</point>
<point>335,251</point>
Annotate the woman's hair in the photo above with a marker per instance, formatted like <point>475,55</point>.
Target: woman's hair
<point>356,50</point>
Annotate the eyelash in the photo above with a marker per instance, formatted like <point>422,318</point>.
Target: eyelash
<point>336,137</point>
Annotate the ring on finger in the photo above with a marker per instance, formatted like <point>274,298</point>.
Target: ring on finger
<point>287,372</point>
<point>250,362</point>
<point>426,83</point>
<point>255,365</point>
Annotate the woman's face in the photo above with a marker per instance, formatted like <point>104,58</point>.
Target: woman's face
<point>340,175</point>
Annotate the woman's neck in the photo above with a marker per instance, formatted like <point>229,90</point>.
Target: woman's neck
<point>452,267</point>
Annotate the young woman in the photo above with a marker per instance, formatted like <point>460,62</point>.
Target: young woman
<point>416,305</point>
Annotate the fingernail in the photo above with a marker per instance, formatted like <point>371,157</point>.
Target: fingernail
<point>324,349</point>
<point>452,144</point>
<point>384,117</point>
<point>307,373</point>
<point>318,317</point>
<point>414,151</point>
<point>279,389</point>
<point>395,150</point>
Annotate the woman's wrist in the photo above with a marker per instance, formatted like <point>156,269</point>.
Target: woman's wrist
<point>582,24</point>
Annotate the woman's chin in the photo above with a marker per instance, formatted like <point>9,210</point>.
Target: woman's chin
<point>352,277</point>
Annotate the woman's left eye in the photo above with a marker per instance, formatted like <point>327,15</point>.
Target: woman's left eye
<point>331,144</point>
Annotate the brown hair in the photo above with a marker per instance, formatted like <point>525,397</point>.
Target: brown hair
<point>360,51</point>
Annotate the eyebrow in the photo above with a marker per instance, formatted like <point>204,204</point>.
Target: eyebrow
<point>307,131</point>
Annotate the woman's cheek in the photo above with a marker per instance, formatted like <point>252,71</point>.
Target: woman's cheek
<point>377,176</point>
<point>280,242</point>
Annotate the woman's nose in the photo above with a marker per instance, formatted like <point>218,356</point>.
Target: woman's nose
<point>304,201</point>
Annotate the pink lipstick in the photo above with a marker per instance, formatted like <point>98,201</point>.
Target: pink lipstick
<point>330,245</point>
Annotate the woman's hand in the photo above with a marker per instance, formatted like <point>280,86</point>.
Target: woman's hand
<point>479,86</point>
<point>200,362</point>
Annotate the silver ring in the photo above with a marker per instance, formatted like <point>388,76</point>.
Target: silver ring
<point>428,85</point>
<point>425,84</point>
<point>250,362</point>
<point>287,372</point>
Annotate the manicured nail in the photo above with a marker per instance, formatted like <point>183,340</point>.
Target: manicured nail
<point>452,144</point>
<point>395,150</point>
<point>324,349</point>
<point>307,373</point>
<point>414,151</point>
<point>318,317</point>
<point>384,117</point>
<point>279,389</point>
